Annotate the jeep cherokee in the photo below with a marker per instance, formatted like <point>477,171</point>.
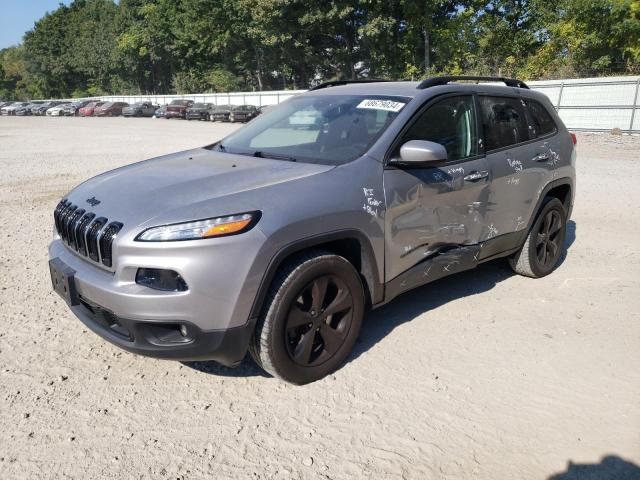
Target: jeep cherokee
<point>277,238</point>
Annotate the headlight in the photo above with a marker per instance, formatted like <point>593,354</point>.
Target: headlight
<point>213,227</point>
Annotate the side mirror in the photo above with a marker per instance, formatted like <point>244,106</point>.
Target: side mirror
<point>422,151</point>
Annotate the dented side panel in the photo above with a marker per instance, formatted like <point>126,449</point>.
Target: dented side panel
<point>429,209</point>
<point>519,176</point>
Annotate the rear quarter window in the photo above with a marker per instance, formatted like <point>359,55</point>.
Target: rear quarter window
<point>541,122</point>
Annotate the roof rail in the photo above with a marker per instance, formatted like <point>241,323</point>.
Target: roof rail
<point>445,79</point>
<point>336,83</point>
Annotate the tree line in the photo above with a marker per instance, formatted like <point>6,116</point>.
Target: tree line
<point>95,47</point>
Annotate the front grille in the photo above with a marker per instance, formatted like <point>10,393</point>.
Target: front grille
<point>82,232</point>
<point>106,241</point>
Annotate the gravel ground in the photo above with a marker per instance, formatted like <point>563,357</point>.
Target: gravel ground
<point>483,375</point>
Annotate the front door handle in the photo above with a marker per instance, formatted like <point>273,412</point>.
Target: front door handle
<point>542,157</point>
<point>475,176</point>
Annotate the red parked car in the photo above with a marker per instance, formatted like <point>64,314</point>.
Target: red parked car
<point>89,108</point>
<point>178,109</point>
<point>110,109</point>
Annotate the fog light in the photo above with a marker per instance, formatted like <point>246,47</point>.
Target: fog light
<point>161,279</point>
<point>183,330</point>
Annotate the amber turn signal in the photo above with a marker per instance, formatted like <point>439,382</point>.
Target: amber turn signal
<point>226,228</point>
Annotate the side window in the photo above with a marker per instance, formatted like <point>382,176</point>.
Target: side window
<point>450,122</point>
<point>541,122</point>
<point>503,121</point>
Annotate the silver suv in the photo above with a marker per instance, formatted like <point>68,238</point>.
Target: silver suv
<point>278,238</point>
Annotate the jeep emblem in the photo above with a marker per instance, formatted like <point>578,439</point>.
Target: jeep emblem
<point>93,201</point>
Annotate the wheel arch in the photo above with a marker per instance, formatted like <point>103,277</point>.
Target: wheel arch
<point>350,244</point>
<point>562,189</point>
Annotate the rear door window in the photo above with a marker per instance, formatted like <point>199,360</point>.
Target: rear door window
<point>541,123</point>
<point>503,121</point>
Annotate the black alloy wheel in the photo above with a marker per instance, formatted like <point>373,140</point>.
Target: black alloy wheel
<point>544,245</point>
<point>548,238</point>
<point>311,317</point>
<point>318,321</point>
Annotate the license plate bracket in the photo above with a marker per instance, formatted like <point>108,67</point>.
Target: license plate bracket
<point>63,281</point>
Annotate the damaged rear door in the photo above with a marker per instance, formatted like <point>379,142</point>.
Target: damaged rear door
<point>431,209</point>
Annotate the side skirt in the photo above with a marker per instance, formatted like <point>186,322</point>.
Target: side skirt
<point>454,260</point>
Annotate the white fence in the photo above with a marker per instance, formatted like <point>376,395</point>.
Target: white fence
<point>595,104</point>
<point>591,104</point>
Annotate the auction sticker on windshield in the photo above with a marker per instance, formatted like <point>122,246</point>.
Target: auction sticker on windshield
<point>376,104</point>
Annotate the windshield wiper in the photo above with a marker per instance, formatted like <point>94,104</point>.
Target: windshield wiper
<point>274,156</point>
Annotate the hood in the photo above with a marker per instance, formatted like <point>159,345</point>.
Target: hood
<point>186,186</point>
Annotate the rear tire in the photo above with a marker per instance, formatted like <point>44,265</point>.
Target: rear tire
<point>311,318</point>
<point>544,245</point>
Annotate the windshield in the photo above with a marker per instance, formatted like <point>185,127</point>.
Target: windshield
<point>180,102</point>
<point>199,105</point>
<point>329,129</point>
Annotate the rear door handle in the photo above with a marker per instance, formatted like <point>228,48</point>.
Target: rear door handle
<point>475,176</point>
<point>543,157</point>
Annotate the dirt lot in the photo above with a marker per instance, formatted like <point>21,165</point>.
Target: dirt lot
<point>484,375</point>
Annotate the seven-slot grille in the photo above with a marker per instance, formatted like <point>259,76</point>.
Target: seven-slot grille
<point>89,236</point>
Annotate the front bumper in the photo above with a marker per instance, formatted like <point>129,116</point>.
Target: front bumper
<point>174,115</point>
<point>215,310</point>
<point>164,340</point>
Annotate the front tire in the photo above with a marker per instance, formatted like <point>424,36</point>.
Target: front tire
<point>544,245</point>
<point>311,318</point>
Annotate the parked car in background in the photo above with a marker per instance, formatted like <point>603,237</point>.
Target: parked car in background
<point>140,109</point>
<point>42,108</point>
<point>243,113</point>
<point>220,113</point>
<point>110,109</point>
<point>11,109</point>
<point>26,109</point>
<point>160,112</point>
<point>198,111</point>
<point>89,109</point>
<point>5,104</point>
<point>72,108</point>
<point>56,111</point>
<point>178,108</point>
<point>263,109</point>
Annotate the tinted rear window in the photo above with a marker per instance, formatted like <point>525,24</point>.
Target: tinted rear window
<point>541,121</point>
<point>503,121</point>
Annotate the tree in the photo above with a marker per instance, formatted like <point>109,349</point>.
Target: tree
<point>92,47</point>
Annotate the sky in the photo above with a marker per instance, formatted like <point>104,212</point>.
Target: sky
<point>18,16</point>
